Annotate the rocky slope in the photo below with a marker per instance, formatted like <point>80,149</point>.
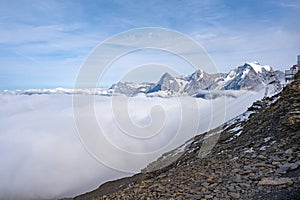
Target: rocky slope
<point>257,156</point>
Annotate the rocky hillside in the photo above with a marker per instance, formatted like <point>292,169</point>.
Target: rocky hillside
<point>256,156</point>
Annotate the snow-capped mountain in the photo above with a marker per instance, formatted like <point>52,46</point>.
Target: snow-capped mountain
<point>249,76</point>
<point>200,80</point>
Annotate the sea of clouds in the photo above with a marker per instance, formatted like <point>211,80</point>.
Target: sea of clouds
<point>42,155</point>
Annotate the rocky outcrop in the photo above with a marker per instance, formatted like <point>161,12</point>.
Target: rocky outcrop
<point>257,156</point>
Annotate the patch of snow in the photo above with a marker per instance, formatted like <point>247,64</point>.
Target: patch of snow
<point>202,75</point>
<point>273,142</point>
<point>235,158</point>
<point>238,134</point>
<point>267,67</point>
<point>230,76</point>
<point>249,150</point>
<point>230,139</point>
<point>237,128</point>
<point>244,117</point>
<point>241,118</point>
<point>274,100</point>
<point>245,73</point>
<point>263,148</point>
<point>220,152</point>
<point>267,139</point>
<point>235,136</point>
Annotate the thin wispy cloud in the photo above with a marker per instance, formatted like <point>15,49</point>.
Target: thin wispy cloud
<point>289,5</point>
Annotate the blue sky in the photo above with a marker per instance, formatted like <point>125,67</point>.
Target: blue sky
<point>44,43</point>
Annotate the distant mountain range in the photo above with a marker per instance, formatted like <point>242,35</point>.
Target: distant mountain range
<point>250,76</point>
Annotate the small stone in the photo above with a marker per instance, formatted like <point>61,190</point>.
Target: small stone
<point>287,166</point>
<point>289,151</point>
<point>261,157</point>
<point>253,156</point>
<point>216,191</point>
<point>275,181</point>
<point>237,188</point>
<point>245,172</point>
<point>293,166</point>
<point>234,195</point>
<point>231,188</point>
<point>276,163</point>
<point>238,178</point>
<point>212,186</point>
<point>193,191</point>
<point>236,171</point>
<point>143,185</point>
<point>208,196</point>
<point>247,167</point>
<point>276,158</point>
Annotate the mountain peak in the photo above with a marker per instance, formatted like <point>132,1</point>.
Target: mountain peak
<point>251,75</point>
<point>166,77</point>
<point>197,75</point>
<point>257,67</point>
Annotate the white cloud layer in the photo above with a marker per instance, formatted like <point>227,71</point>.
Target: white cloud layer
<point>41,154</point>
